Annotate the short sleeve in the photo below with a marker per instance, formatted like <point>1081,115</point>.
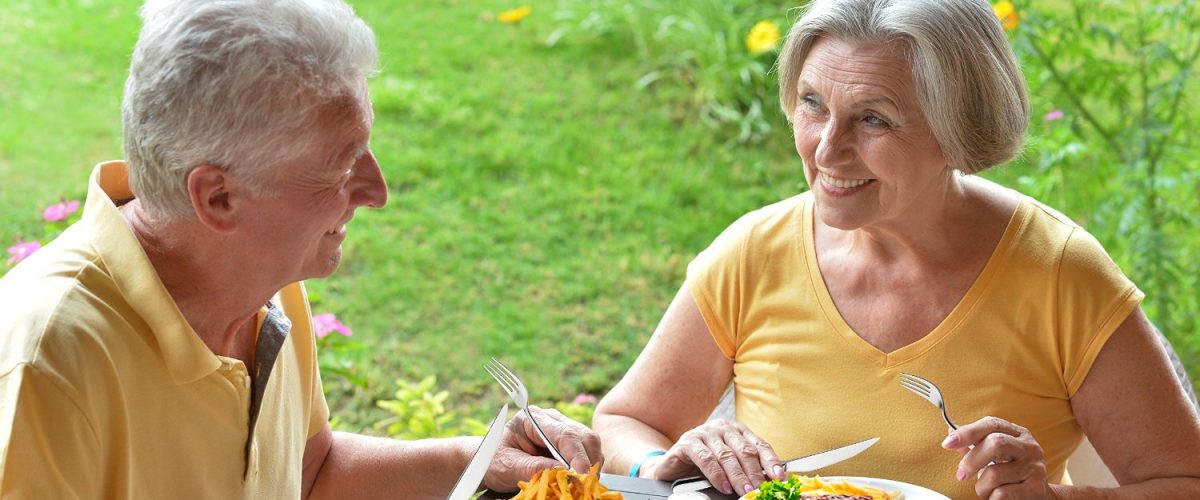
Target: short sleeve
<point>715,277</point>
<point>1094,298</point>
<point>50,447</point>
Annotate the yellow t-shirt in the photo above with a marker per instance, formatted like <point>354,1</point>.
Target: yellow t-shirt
<point>108,392</point>
<point>1017,346</point>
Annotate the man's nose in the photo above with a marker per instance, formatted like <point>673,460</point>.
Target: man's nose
<point>370,188</point>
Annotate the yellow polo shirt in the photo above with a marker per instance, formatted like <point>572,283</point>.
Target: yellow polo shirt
<point>1017,346</point>
<point>107,392</point>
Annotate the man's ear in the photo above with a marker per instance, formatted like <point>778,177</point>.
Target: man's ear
<point>213,193</point>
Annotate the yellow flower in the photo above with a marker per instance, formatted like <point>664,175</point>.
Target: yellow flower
<point>1007,14</point>
<point>514,16</point>
<point>763,36</point>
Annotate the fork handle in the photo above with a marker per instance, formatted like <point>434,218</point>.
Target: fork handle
<point>545,440</point>
<point>946,417</point>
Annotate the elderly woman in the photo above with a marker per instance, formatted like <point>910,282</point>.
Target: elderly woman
<point>899,260</point>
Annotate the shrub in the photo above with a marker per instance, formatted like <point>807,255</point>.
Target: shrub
<point>719,52</point>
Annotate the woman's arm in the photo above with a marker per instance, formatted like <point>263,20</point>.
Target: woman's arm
<point>1138,417</point>
<point>662,404</point>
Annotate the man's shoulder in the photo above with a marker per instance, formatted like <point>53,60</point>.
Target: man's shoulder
<point>51,302</point>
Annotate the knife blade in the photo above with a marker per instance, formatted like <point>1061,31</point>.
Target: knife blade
<point>802,464</point>
<point>827,458</point>
<point>468,482</point>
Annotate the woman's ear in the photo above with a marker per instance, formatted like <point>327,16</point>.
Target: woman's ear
<point>213,193</point>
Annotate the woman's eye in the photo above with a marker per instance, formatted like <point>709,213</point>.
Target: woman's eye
<point>876,121</point>
<point>810,102</point>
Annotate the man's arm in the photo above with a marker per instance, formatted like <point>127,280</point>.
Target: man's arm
<point>344,465</point>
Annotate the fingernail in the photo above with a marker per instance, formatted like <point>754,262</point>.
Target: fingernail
<point>951,441</point>
<point>747,488</point>
<point>726,488</point>
<point>779,472</point>
<point>960,473</point>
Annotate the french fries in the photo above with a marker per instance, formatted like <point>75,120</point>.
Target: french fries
<point>561,484</point>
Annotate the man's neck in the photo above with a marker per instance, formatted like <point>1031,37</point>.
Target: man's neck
<point>209,288</point>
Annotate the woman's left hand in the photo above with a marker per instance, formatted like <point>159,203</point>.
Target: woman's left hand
<point>1004,456</point>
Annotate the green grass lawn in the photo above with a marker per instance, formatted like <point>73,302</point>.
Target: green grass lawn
<point>542,209</point>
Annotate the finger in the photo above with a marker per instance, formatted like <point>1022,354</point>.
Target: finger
<point>747,457</point>
<point>998,448</point>
<point>771,464</point>
<point>512,465</point>
<point>706,459</point>
<point>970,434</point>
<point>520,438</point>
<point>727,458</point>
<point>579,446</point>
<point>1022,479</point>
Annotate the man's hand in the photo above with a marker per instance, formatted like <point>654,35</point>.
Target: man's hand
<point>522,453</point>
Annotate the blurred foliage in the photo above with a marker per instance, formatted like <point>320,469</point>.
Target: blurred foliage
<point>1113,90</point>
<point>419,411</point>
<point>711,48</point>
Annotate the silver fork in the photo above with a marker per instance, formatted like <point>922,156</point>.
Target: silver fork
<point>516,390</point>
<point>928,392</point>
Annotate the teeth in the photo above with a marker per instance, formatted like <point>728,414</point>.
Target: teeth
<point>843,183</point>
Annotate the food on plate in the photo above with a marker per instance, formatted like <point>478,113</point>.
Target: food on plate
<point>815,488</point>
<point>559,483</point>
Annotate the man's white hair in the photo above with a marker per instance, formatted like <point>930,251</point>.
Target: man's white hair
<point>234,83</point>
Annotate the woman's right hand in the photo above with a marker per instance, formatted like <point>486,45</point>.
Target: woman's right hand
<point>725,452</point>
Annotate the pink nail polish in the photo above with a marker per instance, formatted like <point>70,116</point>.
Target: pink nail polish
<point>747,488</point>
<point>960,474</point>
<point>726,488</point>
<point>780,472</point>
<point>951,441</point>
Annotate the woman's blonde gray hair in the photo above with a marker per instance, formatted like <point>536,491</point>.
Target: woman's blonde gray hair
<point>968,81</point>
<point>234,84</point>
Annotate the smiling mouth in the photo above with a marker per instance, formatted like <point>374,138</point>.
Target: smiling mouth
<point>842,183</point>
<point>340,230</point>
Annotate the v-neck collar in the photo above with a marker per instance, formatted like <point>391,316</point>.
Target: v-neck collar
<point>949,325</point>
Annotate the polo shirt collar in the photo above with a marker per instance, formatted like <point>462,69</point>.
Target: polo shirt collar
<point>187,358</point>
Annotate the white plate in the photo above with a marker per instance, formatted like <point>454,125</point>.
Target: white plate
<point>910,491</point>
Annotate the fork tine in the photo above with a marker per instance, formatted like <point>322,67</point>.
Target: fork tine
<point>514,380</point>
<point>499,371</point>
<point>508,372</point>
<point>500,379</point>
<point>920,390</point>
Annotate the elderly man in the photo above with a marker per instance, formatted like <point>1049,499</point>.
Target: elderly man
<point>163,347</point>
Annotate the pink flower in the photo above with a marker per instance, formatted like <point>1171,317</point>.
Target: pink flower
<point>1053,115</point>
<point>323,324</point>
<point>584,399</point>
<point>22,250</point>
<point>60,210</point>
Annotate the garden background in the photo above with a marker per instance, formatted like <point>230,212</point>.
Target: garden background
<point>554,168</point>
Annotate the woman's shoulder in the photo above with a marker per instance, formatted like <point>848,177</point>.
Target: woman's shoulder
<point>765,229</point>
<point>781,214</point>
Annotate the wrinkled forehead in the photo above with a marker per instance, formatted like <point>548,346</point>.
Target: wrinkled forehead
<point>871,68</point>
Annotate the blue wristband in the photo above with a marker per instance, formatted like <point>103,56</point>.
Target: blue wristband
<point>637,466</point>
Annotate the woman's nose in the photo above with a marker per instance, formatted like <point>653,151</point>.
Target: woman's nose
<point>834,146</point>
